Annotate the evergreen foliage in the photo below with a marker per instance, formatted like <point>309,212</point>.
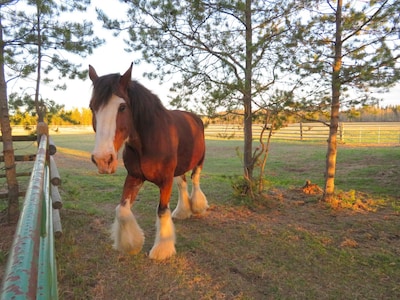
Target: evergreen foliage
<point>40,42</point>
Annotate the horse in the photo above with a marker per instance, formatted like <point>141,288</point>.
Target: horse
<point>160,146</point>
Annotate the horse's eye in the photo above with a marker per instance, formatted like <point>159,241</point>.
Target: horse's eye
<point>121,107</point>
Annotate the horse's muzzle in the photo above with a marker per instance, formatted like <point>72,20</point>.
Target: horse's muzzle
<point>106,164</point>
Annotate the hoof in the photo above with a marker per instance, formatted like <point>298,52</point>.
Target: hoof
<point>181,214</point>
<point>128,238</point>
<point>163,251</point>
<point>127,235</point>
<point>135,251</point>
<point>199,202</point>
<point>200,211</point>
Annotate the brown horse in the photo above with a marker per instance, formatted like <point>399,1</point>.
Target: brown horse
<point>160,145</point>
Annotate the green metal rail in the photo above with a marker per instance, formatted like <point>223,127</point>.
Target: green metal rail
<point>31,271</point>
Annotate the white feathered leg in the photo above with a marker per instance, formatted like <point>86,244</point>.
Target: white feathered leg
<point>182,210</point>
<point>199,202</point>
<point>164,244</point>
<point>127,235</point>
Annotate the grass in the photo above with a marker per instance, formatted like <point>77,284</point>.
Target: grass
<point>286,247</point>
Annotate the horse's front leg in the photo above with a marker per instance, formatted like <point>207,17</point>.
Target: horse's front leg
<point>127,235</point>
<point>164,244</point>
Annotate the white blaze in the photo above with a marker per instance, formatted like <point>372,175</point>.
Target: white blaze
<point>106,119</point>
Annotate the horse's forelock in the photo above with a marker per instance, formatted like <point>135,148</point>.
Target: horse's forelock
<point>103,88</point>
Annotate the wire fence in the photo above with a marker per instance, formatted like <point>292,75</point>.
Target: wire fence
<point>350,133</point>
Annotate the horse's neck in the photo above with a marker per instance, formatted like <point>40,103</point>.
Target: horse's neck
<point>134,140</point>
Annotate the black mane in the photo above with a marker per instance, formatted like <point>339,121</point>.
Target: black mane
<point>145,105</point>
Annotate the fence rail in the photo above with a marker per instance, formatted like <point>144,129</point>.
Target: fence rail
<point>379,133</point>
<point>31,270</point>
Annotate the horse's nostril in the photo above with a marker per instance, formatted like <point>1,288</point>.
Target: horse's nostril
<point>110,159</point>
<point>93,160</point>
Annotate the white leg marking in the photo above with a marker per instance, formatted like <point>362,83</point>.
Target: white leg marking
<point>182,210</point>
<point>127,235</point>
<point>199,202</point>
<point>164,244</point>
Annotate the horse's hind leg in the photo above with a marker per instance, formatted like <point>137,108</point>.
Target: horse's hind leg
<point>164,244</point>
<point>183,209</point>
<point>127,235</point>
<point>198,200</point>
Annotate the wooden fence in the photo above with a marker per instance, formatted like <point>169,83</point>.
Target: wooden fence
<point>19,158</point>
<point>31,269</point>
<point>376,133</point>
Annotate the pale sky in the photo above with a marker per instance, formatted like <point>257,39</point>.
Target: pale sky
<point>112,58</point>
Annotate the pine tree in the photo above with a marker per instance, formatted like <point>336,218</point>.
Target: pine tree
<point>348,48</point>
<point>41,42</point>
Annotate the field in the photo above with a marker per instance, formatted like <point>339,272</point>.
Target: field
<point>348,132</point>
<point>287,245</point>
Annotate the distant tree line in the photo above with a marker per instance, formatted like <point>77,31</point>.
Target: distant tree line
<point>366,113</point>
<point>83,116</point>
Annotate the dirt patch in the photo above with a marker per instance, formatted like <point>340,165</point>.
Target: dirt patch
<point>6,234</point>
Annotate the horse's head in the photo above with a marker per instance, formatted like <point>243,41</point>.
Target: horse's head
<point>112,118</point>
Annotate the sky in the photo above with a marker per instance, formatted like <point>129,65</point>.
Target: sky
<point>112,58</point>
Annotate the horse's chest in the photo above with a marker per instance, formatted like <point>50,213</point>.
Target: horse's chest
<point>149,165</point>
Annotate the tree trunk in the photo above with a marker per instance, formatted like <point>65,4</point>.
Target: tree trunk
<point>335,105</point>
<point>8,150</point>
<point>248,120</point>
<point>39,105</point>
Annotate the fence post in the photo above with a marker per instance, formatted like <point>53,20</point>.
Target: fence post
<point>379,135</point>
<point>301,131</point>
<point>341,132</point>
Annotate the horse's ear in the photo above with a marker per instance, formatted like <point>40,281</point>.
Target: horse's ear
<point>126,78</point>
<point>92,74</point>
